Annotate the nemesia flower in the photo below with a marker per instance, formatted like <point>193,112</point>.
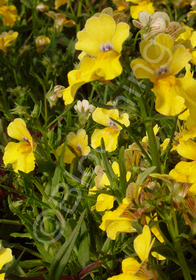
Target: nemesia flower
<point>5,257</point>
<point>101,44</point>
<point>111,132</point>
<point>20,155</point>
<point>188,39</point>
<point>41,42</point>
<point>42,8</point>
<point>142,5</point>
<point>57,93</point>
<point>9,13</point>
<point>131,268</point>
<point>60,20</point>
<point>161,62</point>
<point>7,39</point>
<point>84,110</point>
<point>79,142</point>
<point>117,221</point>
<point>157,23</point>
<point>105,201</point>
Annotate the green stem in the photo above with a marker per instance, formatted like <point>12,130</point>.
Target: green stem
<point>155,154</point>
<point>167,151</point>
<point>46,197</point>
<point>173,229</point>
<point>9,222</point>
<point>169,10</point>
<point>182,261</point>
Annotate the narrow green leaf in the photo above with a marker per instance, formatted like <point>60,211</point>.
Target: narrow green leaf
<point>62,257</point>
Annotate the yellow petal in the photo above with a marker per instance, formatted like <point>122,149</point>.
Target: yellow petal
<point>20,155</point>
<point>179,59</point>
<point>168,96</point>
<point>187,149</point>
<point>142,69</point>
<point>159,52</point>
<point>104,116</point>
<point>130,266</point>
<point>135,10</point>
<point>17,130</point>
<point>193,39</point>
<point>158,256</point>
<point>142,243</point>
<point>110,137</point>
<point>5,257</point>
<point>87,44</point>
<point>78,77</point>
<point>107,65</point>
<point>104,202</point>
<point>184,172</point>
<point>9,14</point>
<point>121,34</point>
<point>59,3</point>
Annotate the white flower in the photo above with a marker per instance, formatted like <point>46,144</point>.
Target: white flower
<point>83,106</point>
<point>157,23</point>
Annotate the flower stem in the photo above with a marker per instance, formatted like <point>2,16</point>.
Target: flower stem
<point>173,229</point>
<point>155,154</point>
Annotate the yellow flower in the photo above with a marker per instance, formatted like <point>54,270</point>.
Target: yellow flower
<point>161,62</point>
<point>101,44</point>
<point>117,221</point>
<point>7,39</point>
<point>105,201</point>
<point>5,257</point>
<point>79,142</point>
<point>131,268</point>
<point>111,132</point>
<point>60,20</point>
<point>41,42</point>
<point>188,39</point>
<point>9,14</point>
<point>20,155</point>
<point>142,5</point>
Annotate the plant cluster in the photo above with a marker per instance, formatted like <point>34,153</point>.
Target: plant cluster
<point>97,138</point>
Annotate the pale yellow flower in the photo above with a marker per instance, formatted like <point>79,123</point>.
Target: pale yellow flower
<point>78,142</point>
<point>20,155</point>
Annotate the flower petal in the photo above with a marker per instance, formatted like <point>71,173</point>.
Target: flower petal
<point>5,257</point>
<point>110,137</point>
<point>121,34</point>
<point>142,243</point>
<point>180,58</point>
<point>130,266</point>
<point>142,69</point>
<point>104,202</point>
<point>18,130</point>
<point>20,155</point>
<point>168,96</point>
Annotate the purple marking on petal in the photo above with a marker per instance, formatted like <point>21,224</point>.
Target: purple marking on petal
<point>25,139</point>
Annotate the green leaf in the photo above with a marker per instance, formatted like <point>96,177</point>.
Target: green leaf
<point>62,257</point>
<point>84,248</point>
